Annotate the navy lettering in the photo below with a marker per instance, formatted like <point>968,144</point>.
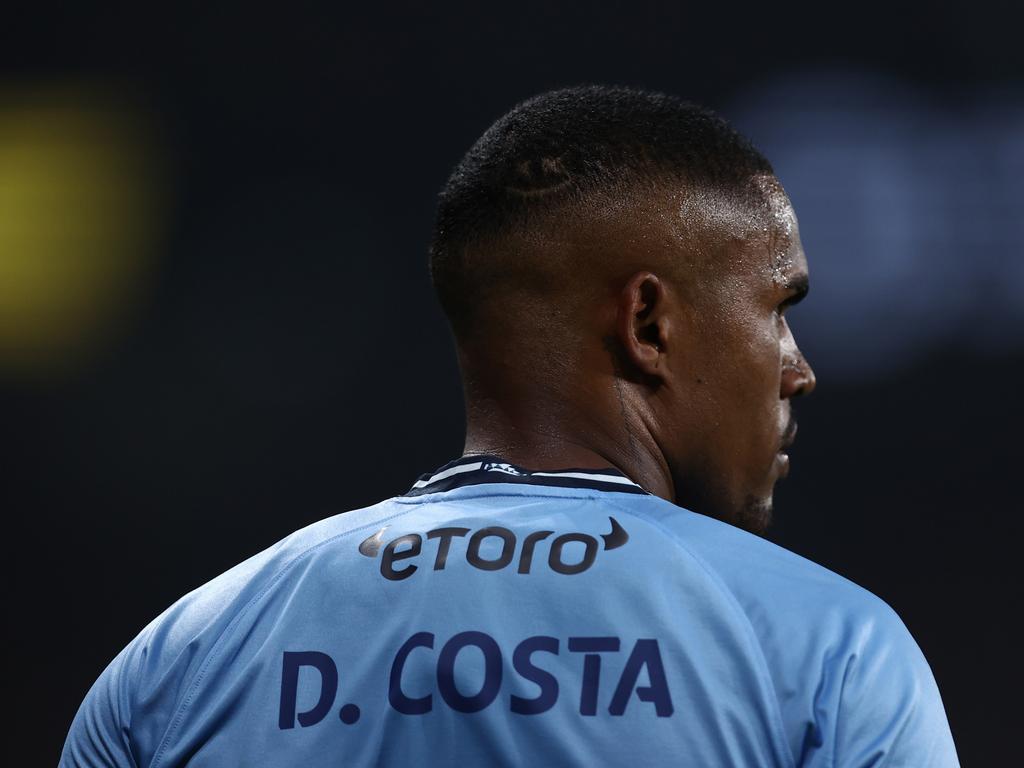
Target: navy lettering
<point>508,548</point>
<point>292,662</point>
<point>390,556</point>
<point>492,672</point>
<point>591,646</point>
<point>543,679</point>
<point>645,653</point>
<point>445,535</point>
<point>410,545</point>
<point>526,558</point>
<point>398,699</point>
<point>589,554</point>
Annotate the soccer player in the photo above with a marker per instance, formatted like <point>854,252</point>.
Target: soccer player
<point>585,585</point>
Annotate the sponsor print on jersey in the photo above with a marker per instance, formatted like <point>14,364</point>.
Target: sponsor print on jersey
<point>593,694</point>
<point>559,559</point>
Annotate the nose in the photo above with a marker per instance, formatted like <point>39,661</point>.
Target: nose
<point>797,377</point>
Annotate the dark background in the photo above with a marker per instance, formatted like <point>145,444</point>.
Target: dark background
<point>277,355</point>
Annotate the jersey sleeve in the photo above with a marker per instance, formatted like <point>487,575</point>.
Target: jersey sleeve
<point>99,734</point>
<point>889,712</point>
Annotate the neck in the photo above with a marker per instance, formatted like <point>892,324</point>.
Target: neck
<point>538,435</point>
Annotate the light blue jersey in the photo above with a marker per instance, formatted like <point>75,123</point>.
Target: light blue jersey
<point>495,616</point>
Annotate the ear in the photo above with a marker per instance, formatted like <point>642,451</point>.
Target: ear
<point>643,325</point>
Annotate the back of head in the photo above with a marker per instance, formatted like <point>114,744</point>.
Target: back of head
<point>545,173</point>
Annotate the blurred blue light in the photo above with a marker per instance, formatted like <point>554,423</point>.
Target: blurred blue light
<point>911,211</point>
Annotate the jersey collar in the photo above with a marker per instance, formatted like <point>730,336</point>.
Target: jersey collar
<point>474,470</point>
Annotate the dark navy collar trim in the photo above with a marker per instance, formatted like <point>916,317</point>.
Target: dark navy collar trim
<point>474,470</point>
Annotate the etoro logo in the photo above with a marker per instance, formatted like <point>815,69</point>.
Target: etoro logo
<point>410,546</point>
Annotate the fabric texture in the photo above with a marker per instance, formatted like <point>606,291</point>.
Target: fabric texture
<point>497,616</point>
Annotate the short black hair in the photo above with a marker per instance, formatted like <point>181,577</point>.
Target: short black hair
<point>569,146</point>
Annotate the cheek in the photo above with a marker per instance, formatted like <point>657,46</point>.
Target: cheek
<point>752,363</point>
<point>736,384</point>
<point>752,394</point>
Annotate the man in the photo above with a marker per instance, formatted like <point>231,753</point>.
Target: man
<point>578,588</point>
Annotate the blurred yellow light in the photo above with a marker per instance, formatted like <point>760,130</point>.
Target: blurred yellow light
<point>76,229</point>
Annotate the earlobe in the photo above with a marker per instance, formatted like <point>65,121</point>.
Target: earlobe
<point>643,324</point>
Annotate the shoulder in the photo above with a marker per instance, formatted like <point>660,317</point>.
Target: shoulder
<point>803,615</point>
<point>768,582</point>
<point>208,613</point>
<point>847,673</point>
<point>134,704</point>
